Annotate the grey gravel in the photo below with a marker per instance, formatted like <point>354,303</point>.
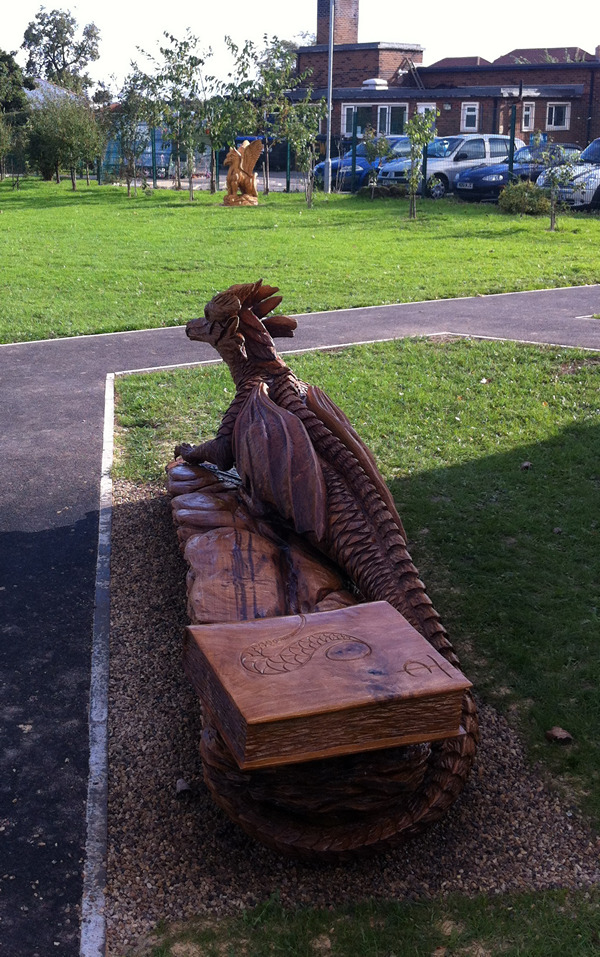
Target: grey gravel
<point>174,854</point>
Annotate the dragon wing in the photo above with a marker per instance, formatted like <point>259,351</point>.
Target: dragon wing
<point>251,154</point>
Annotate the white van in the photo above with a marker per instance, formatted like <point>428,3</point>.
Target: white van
<point>447,156</point>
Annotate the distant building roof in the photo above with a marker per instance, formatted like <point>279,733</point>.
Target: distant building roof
<point>466,61</point>
<point>546,55</point>
<point>44,89</point>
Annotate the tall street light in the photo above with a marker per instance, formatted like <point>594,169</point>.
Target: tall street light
<point>327,170</point>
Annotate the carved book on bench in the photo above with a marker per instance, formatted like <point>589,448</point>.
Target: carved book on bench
<point>309,623</point>
<point>292,689</point>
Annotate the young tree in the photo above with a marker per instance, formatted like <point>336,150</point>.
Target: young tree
<point>128,122</point>
<point>420,130</point>
<point>56,53</point>
<point>300,125</point>
<point>228,107</point>
<point>177,85</point>
<point>559,170</point>
<point>275,79</point>
<point>378,151</point>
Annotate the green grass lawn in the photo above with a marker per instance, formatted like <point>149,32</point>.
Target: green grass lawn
<point>553,924</point>
<point>491,451</point>
<point>95,261</point>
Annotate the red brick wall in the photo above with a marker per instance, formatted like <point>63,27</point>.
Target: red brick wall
<point>345,21</point>
<point>351,67</point>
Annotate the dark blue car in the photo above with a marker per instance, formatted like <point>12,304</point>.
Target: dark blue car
<point>487,182</point>
<point>341,166</point>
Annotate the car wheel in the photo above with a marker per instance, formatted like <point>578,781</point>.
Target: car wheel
<point>438,187</point>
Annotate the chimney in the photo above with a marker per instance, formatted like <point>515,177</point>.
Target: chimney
<point>345,25</point>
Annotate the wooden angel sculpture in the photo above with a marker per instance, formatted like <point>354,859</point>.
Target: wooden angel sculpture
<point>301,463</point>
<point>241,178</point>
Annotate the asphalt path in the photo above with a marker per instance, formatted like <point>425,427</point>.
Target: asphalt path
<point>51,421</point>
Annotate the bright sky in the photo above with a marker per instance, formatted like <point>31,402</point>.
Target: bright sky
<point>457,30</point>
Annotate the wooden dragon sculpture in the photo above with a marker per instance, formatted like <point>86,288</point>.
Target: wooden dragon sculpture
<point>241,176</point>
<point>300,459</point>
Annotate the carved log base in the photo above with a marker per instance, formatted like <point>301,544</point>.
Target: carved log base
<point>331,808</point>
<point>244,200</point>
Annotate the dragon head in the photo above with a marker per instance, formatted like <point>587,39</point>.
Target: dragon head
<point>239,317</point>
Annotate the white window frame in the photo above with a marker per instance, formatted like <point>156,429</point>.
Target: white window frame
<point>528,116</point>
<point>468,109</point>
<point>426,108</point>
<point>354,107</point>
<point>552,106</point>
<point>383,129</point>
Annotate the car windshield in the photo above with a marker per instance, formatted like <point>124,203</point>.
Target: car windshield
<point>439,148</point>
<point>402,147</point>
<point>361,150</point>
<point>591,153</point>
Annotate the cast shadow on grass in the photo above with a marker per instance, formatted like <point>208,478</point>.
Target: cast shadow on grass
<point>508,546</point>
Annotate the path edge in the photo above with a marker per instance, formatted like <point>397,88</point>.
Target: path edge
<point>93,918</point>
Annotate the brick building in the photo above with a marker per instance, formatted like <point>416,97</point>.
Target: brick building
<point>556,92</point>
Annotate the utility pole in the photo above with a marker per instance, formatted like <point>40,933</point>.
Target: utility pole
<point>327,170</point>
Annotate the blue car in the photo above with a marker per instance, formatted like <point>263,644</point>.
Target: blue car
<point>487,182</point>
<point>341,166</point>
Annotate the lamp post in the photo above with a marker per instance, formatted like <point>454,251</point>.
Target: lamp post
<point>327,171</point>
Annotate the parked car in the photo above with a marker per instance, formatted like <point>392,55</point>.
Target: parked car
<point>341,166</point>
<point>487,182</point>
<point>583,192</point>
<point>447,156</point>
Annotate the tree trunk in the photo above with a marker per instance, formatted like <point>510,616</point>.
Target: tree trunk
<point>213,164</point>
<point>267,168</point>
<point>73,178</point>
<point>190,166</point>
<point>57,174</point>
<point>134,177</point>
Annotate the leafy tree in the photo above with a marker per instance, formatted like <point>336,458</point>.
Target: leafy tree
<point>300,125</point>
<point>559,170</point>
<point>128,122</point>
<point>420,130</point>
<point>14,106</point>
<point>378,151</point>
<point>227,106</point>
<point>56,53</point>
<point>275,79</point>
<point>177,86</point>
<point>13,98</point>
<point>63,132</point>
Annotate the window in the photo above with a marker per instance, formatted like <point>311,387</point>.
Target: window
<point>472,149</point>
<point>558,116</point>
<point>426,108</point>
<point>469,117</point>
<point>528,117</point>
<point>364,118</point>
<point>391,119</point>
<point>499,146</point>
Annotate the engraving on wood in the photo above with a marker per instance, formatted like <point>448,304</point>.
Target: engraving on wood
<point>262,660</point>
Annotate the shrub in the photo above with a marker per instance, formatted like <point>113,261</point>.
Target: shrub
<point>524,197</point>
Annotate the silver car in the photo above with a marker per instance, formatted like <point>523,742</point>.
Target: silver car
<point>583,191</point>
<point>447,156</point>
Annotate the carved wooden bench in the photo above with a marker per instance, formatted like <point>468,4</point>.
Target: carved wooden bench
<point>373,758</point>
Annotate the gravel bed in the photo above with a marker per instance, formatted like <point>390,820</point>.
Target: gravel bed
<point>173,853</point>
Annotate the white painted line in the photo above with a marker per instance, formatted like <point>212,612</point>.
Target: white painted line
<point>526,342</point>
<point>295,352</point>
<point>93,921</point>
